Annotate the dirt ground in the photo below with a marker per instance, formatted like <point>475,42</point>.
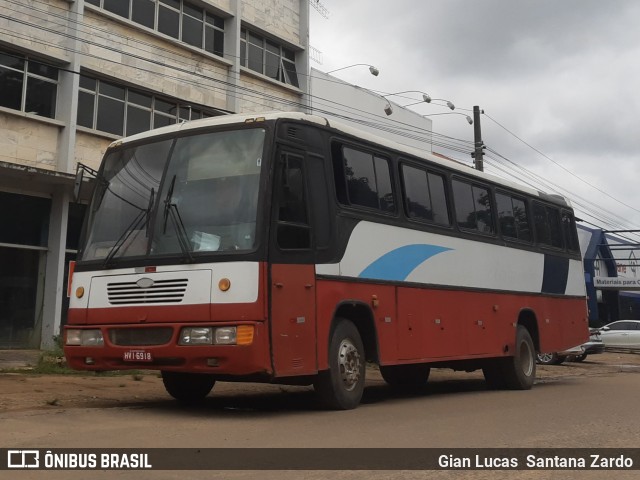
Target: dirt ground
<point>28,391</point>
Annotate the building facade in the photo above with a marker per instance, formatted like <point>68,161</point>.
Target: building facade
<point>77,75</point>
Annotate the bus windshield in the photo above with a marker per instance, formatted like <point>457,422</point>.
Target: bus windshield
<point>177,197</point>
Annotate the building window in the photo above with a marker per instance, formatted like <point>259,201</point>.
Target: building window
<point>28,85</point>
<point>268,57</point>
<point>176,18</point>
<point>120,110</point>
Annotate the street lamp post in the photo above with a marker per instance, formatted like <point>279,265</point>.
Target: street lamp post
<point>477,137</point>
<point>374,71</point>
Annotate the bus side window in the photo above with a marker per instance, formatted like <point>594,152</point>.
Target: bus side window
<point>570,233</point>
<point>473,207</point>
<point>368,180</point>
<point>294,231</point>
<point>513,218</point>
<point>425,197</point>
<point>548,226</point>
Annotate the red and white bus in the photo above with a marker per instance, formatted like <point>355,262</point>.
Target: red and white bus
<point>289,249</point>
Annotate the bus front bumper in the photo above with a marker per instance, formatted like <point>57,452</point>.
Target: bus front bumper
<point>127,347</point>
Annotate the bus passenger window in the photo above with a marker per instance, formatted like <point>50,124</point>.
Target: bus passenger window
<point>425,196</point>
<point>368,180</point>
<point>548,227</point>
<point>473,207</point>
<point>570,233</point>
<point>513,218</point>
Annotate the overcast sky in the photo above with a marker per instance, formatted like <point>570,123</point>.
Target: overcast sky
<point>563,75</point>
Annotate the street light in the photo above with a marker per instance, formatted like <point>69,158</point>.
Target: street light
<point>374,71</point>
<point>426,98</point>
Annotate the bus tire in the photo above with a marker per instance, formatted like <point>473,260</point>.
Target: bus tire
<point>341,387</point>
<point>520,370</point>
<point>414,375</point>
<point>188,387</point>
<point>517,372</point>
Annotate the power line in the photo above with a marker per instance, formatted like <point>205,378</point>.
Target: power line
<point>561,166</point>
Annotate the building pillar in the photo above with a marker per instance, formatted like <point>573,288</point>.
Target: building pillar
<point>232,48</point>
<point>303,65</point>
<point>54,280</point>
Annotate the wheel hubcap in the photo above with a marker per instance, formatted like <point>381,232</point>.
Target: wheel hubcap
<point>545,357</point>
<point>349,363</point>
<point>526,359</point>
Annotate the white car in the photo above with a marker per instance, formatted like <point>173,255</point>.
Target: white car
<point>622,334</point>
<point>575,354</point>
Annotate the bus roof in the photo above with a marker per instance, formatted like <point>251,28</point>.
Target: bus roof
<point>346,129</point>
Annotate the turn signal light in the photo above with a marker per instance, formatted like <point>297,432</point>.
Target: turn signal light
<point>244,335</point>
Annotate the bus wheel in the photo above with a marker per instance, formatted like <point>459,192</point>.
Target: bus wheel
<point>341,386</point>
<point>405,376</point>
<point>520,370</point>
<point>188,387</point>
<point>517,372</point>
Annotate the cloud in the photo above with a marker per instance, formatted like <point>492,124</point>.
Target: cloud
<point>562,75</point>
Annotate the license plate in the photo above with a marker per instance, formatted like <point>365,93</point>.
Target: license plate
<point>137,356</point>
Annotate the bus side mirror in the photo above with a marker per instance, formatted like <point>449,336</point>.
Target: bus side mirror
<point>77,184</point>
<point>81,170</point>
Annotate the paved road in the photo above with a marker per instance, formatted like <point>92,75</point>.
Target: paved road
<point>573,408</point>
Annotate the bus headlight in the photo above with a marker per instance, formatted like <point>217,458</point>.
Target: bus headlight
<point>85,338</point>
<point>196,336</point>
<point>226,336</point>
<point>242,335</point>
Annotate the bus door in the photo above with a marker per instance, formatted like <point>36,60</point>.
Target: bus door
<point>292,269</point>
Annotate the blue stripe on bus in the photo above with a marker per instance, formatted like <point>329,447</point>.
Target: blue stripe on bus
<point>399,263</point>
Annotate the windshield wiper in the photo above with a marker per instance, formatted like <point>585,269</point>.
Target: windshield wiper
<point>143,218</point>
<point>138,221</point>
<point>171,210</point>
<point>149,207</point>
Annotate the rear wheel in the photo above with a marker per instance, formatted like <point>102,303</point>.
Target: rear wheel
<point>405,376</point>
<point>342,385</point>
<point>188,387</point>
<point>517,372</point>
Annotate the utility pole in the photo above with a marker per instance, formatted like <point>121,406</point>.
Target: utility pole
<point>477,138</point>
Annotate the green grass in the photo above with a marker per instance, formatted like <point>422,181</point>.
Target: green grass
<point>52,362</point>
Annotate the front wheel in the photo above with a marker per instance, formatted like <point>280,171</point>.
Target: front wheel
<point>341,386</point>
<point>188,387</point>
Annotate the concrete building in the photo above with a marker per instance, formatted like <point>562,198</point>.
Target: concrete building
<point>366,110</point>
<point>77,74</point>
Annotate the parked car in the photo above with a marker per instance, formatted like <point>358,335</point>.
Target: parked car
<point>622,334</point>
<point>576,354</point>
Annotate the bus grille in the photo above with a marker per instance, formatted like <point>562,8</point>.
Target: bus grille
<point>140,337</point>
<point>162,291</point>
